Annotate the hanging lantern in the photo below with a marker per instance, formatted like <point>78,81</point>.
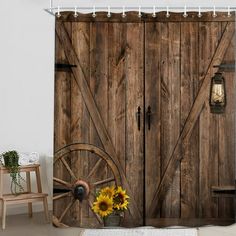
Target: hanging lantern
<point>217,94</point>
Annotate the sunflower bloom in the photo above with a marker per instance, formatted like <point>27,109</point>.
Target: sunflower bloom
<point>120,199</point>
<point>108,191</point>
<point>103,206</point>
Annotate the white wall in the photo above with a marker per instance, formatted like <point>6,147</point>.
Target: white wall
<point>27,74</point>
<point>27,83</point>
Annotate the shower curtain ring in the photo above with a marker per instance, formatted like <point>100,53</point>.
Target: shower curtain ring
<point>154,12</point>
<point>185,12</point>
<point>58,14</point>
<point>123,12</point>
<point>167,12</point>
<point>75,14</point>
<point>139,12</point>
<point>94,12</point>
<point>229,12</point>
<point>108,12</point>
<point>214,12</point>
<point>199,12</point>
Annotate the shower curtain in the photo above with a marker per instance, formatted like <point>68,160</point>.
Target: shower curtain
<point>132,110</point>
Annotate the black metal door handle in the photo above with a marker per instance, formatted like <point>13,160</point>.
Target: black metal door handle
<point>149,113</point>
<point>139,117</point>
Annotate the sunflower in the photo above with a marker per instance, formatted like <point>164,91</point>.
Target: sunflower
<point>108,191</point>
<point>103,205</point>
<point>120,199</point>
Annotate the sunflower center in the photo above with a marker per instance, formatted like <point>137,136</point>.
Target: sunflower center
<point>119,199</point>
<point>103,206</point>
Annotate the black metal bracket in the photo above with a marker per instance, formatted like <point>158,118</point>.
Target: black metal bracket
<point>226,67</point>
<point>63,67</point>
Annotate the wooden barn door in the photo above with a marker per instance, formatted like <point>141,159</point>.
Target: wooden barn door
<point>98,102</point>
<point>189,151</point>
<point>131,108</point>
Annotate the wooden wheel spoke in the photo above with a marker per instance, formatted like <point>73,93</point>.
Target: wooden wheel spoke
<point>66,210</point>
<point>94,168</point>
<point>60,181</point>
<point>68,168</point>
<point>97,216</point>
<point>61,196</point>
<point>104,181</point>
<point>80,214</point>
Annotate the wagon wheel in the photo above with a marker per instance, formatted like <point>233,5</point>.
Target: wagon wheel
<point>81,189</point>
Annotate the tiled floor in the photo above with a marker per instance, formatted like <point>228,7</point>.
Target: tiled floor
<point>21,225</point>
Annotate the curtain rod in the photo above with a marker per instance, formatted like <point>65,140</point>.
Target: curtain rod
<point>55,10</point>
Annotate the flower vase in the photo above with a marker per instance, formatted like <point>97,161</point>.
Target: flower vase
<point>112,220</point>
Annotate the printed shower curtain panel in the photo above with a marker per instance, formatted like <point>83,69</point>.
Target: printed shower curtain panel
<point>132,109</point>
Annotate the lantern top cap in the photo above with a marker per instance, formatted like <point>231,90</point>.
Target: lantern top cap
<point>218,75</point>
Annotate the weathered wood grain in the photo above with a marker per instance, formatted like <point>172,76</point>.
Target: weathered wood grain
<point>190,122</point>
<point>62,119</point>
<point>153,63</point>
<point>169,169</point>
<point>227,138</point>
<point>189,88</point>
<point>117,88</point>
<point>93,110</point>
<point>189,222</point>
<point>134,99</point>
<point>80,119</point>
<point>170,112</point>
<point>99,89</point>
<point>209,34</point>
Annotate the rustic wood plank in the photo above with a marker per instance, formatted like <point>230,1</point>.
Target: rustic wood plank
<point>223,188</point>
<point>190,122</point>
<point>147,17</point>
<point>209,34</point>
<point>80,119</point>
<point>204,120</point>
<point>134,99</point>
<point>153,63</point>
<point>189,222</point>
<point>175,99</point>
<point>170,114</point>
<point>189,88</point>
<point>165,106</point>
<point>62,117</point>
<point>99,86</point>
<point>93,109</point>
<point>227,139</point>
<point>122,55</point>
<point>117,88</point>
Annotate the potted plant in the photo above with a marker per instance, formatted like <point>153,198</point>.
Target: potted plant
<point>11,163</point>
<point>110,204</point>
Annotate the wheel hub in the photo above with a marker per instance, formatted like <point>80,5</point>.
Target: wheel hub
<point>81,190</point>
